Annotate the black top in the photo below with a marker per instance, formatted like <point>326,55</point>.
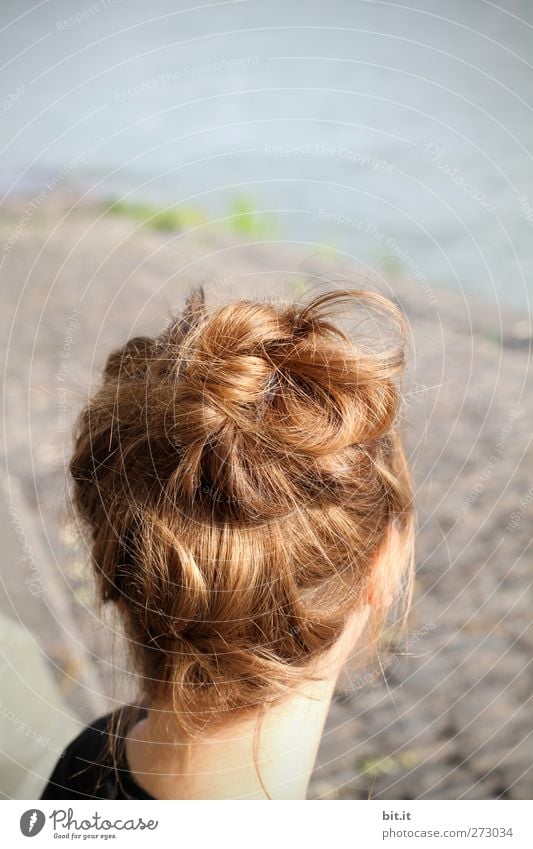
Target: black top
<point>86,769</point>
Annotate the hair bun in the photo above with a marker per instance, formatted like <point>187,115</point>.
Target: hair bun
<point>257,364</point>
<point>251,409</point>
<point>258,398</point>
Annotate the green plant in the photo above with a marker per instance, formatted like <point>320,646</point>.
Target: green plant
<point>391,264</point>
<point>171,219</point>
<point>249,221</point>
<point>243,218</point>
<point>374,767</point>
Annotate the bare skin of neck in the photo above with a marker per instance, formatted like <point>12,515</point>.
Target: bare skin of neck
<point>221,765</point>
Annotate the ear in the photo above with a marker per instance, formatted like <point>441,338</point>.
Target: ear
<point>383,583</point>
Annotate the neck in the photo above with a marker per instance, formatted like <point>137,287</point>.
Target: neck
<point>241,761</point>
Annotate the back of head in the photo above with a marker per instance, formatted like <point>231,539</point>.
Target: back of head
<point>238,475</point>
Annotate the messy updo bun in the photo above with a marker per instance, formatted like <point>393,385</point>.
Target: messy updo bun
<point>238,474</point>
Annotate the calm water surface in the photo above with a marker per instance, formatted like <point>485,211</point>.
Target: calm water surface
<point>401,134</point>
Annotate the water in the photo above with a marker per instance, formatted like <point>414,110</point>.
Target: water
<point>400,135</point>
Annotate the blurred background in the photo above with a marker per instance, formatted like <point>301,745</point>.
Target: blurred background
<point>276,149</point>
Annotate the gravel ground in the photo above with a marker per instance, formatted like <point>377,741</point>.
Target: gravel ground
<point>451,718</point>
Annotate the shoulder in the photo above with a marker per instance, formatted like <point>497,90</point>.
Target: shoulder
<point>87,768</point>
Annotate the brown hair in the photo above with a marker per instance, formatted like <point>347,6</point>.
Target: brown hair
<point>238,474</point>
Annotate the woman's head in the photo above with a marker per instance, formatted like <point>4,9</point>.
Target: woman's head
<point>240,474</point>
